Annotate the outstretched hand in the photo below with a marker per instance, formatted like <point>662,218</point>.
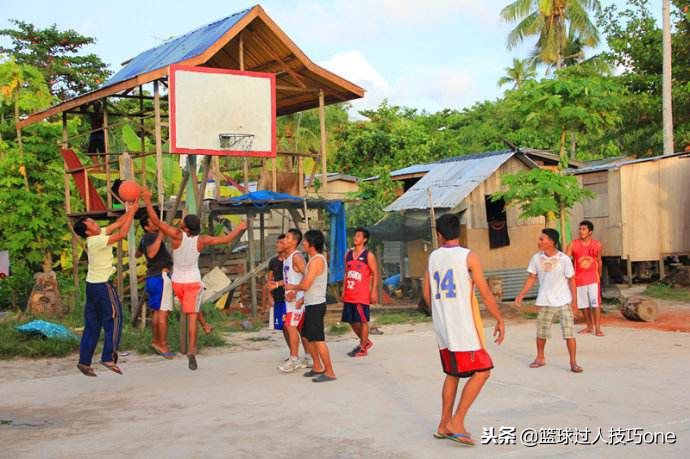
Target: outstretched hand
<point>132,207</point>
<point>146,195</point>
<point>242,225</point>
<point>499,332</point>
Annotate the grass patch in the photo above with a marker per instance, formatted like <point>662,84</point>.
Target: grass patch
<point>530,315</point>
<point>399,317</point>
<point>338,329</point>
<point>665,292</point>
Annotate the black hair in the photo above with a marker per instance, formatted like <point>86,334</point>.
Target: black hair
<point>144,220</point>
<point>80,226</point>
<point>316,239</point>
<point>364,231</point>
<point>588,224</point>
<point>553,235</point>
<point>193,224</point>
<point>281,236</point>
<point>448,226</point>
<point>296,233</point>
<point>115,187</point>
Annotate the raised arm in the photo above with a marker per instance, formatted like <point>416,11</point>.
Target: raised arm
<point>167,230</point>
<point>374,267</point>
<point>123,228</point>
<point>315,270</point>
<point>206,239</point>
<point>117,224</point>
<point>155,246</point>
<point>477,274</point>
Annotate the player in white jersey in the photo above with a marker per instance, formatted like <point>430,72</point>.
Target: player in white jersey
<point>449,288</point>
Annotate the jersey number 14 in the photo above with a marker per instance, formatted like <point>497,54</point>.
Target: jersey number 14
<point>445,284</point>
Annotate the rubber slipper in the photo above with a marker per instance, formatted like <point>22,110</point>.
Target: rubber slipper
<point>156,349</point>
<point>577,369</point>
<point>87,370</point>
<point>439,435</point>
<point>463,439</point>
<point>112,367</point>
<point>168,355</point>
<point>536,364</point>
<point>312,373</point>
<point>600,333</point>
<point>324,378</point>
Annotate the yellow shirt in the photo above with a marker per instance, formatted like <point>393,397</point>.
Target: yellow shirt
<point>100,258</point>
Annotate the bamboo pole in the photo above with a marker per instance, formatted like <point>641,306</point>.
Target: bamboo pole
<point>324,159</point>
<point>68,210</point>
<point>432,216</point>
<point>142,138</point>
<point>106,148</point>
<point>128,174</point>
<point>159,146</point>
<point>274,174</point>
<point>300,176</point>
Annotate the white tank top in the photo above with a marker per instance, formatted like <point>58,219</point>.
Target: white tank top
<point>317,293</point>
<point>451,300</point>
<point>290,276</point>
<point>186,261</point>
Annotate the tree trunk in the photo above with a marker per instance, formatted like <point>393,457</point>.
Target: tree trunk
<point>640,309</point>
<point>563,153</point>
<point>667,113</point>
<point>20,144</point>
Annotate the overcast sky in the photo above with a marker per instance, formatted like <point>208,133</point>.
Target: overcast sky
<point>431,54</point>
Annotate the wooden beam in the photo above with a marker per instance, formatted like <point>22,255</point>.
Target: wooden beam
<point>68,210</point>
<point>159,145</point>
<point>324,159</point>
<point>239,281</point>
<point>106,158</point>
<point>267,49</point>
<point>128,174</point>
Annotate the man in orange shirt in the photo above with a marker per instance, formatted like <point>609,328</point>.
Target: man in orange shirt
<point>586,254</point>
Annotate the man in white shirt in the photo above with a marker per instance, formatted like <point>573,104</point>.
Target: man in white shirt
<point>557,295</point>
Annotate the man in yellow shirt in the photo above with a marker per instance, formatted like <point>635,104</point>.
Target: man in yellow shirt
<point>102,309</point>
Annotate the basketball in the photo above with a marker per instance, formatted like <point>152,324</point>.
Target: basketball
<point>129,191</point>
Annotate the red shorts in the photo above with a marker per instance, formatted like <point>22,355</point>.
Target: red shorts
<point>465,364</point>
<point>294,318</point>
<point>189,295</point>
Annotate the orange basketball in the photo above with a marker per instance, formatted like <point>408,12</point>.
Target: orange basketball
<point>129,191</point>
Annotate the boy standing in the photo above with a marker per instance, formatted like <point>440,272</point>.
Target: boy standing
<point>102,309</point>
<point>449,288</point>
<point>556,295</point>
<point>586,253</point>
<point>360,290</point>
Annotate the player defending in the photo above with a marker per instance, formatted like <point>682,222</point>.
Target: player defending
<point>556,295</point>
<point>187,244</point>
<point>275,274</point>
<point>158,284</point>
<point>586,254</point>
<point>449,288</point>
<point>361,290</point>
<point>102,309</point>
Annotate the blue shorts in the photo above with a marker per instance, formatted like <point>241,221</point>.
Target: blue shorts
<point>279,310</point>
<point>159,291</point>
<point>355,313</point>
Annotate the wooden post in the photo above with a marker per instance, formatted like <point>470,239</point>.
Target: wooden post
<point>106,147</point>
<point>324,158</point>
<point>262,236</point>
<point>202,185</point>
<point>432,216</point>
<point>274,174</point>
<point>142,137</point>
<point>159,145</point>
<point>178,198</point>
<point>300,176</point>
<point>245,173</point>
<point>628,264</point>
<point>250,239</point>
<point>662,268</point>
<point>192,190</point>
<point>68,210</point>
<point>128,174</point>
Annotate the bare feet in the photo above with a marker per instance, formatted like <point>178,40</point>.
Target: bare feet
<point>537,364</point>
<point>575,368</point>
<point>599,333</point>
<point>207,328</point>
<point>585,331</point>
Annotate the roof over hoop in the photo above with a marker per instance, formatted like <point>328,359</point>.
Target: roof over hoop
<point>266,49</point>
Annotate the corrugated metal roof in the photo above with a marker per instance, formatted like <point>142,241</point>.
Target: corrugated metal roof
<point>618,164</point>
<point>176,50</point>
<point>414,169</point>
<point>451,183</point>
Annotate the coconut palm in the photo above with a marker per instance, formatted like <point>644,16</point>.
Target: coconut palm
<point>521,71</point>
<point>552,21</point>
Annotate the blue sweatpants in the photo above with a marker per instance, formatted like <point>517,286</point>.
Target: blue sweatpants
<point>102,310</point>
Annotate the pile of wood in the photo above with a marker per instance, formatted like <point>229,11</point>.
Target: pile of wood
<point>680,277</point>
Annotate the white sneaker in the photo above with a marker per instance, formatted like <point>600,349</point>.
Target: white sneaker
<point>289,366</point>
<point>308,362</point>
<point>301,363</point>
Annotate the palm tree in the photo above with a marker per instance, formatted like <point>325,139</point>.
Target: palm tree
<point>552,21</point>
<point>521,71</point>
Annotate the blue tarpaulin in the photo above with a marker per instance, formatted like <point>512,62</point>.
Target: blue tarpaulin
<point>261,198</point>
<point>47,329</point>
<point>338,242</point>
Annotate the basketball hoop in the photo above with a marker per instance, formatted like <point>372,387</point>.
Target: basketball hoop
<point>235,142</point>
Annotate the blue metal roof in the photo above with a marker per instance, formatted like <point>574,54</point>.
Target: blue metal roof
<point>176,50</point>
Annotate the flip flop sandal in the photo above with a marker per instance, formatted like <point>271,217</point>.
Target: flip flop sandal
<point>86,370</point>
<point>156,349</point>
<point>537,364</point>
<point>577,369</point>
<point>112,367</point>
<point>312,373</point>
<point>168,355</point>
<point>439,435</point>
<point>323,378</point>
<point>463,439</point>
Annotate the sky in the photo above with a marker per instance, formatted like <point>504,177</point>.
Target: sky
<point>429,55</point>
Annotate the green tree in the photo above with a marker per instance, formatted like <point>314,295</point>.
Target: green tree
<point>521,71</point>
<point>552,21</point>
<point>57,53</point>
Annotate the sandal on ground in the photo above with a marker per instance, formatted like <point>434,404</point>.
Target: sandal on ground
<point>168,355</point>
<point>600,333</point>
<point>439,435</point>
<point>112,367</point>
<point>156,349</point>
<point>324,378</point>
<point>192,362</point>
<point>537,364</point>
<point>576,369</point>
<point>86,369</point>
<point>312,373</point>
<point>354,351</point>
<point>463,439</point>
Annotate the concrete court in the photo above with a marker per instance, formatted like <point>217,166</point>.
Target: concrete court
<point>386,405</point>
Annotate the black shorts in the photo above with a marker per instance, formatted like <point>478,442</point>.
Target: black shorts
<point>312,327</point>
<point>355,312</point>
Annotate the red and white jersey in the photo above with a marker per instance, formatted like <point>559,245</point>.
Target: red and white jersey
<point>357,278</point>
<point>452,309</point>
<point>290,276</point>
<point>586,258</point>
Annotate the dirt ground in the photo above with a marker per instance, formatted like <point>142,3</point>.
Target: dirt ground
<point>386,405</point>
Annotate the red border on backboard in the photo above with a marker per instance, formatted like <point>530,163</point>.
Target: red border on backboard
<point>191,151</point>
